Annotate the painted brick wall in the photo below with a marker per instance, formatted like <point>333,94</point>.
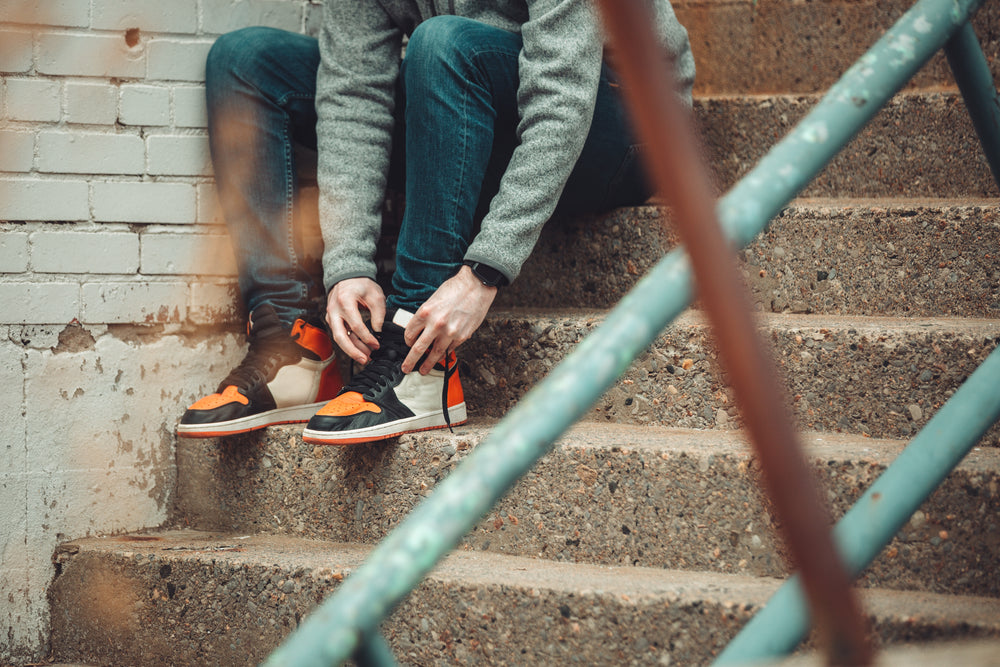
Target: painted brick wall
<point>115,272</point>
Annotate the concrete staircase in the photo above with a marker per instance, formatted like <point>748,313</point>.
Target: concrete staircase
<point>642,538</point>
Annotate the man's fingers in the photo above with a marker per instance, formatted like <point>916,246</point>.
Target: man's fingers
<point>433,357</point>
<point>434,348</point>
<point>414,328</point>
<point>344,305</point>
<point>351,316</point>
<point>416,351</point>
<point>349,343</point>
<point>377,311</point>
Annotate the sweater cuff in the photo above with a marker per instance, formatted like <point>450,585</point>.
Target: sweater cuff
<point>331,279</point>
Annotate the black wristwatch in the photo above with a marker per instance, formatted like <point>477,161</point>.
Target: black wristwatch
<point>486,274</point>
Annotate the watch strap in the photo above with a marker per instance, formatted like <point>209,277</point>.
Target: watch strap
<point>486,274</point>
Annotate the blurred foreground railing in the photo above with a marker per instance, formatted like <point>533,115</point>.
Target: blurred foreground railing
<point>347,624</point>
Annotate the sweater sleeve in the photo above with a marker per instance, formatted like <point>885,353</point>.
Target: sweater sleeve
<point>559,68</point>
<point>355,91</point>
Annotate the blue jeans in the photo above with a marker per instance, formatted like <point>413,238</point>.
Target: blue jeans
<point>260,90</point>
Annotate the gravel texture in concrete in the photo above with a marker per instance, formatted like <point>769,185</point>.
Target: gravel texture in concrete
<point>882,377</point>
<point>918,145</point>
<point>765,46</point>
<point>899,258</point>
<point>973,653</point>
<point>186,598</point>
<point>879,258</point>
<point>606,494</point>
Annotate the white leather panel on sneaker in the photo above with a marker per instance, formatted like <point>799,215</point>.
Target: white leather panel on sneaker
<point>421,393</point>
<point>297,384</point>
<point>402,317</point>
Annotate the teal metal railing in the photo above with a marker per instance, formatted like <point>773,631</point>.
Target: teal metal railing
<point>682,178</point>
<point>346,625</point>
<point>881,511</point>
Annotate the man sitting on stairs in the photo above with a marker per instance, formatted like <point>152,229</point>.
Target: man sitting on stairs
<point>502,114</point>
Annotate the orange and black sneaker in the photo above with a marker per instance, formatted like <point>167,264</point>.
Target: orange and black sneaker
<point>382,402</point>
<point>286,375</point>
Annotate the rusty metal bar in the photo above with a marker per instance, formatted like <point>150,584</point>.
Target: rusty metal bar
<point>341,625</point>
<point>676,166</point>
<point>881,511</point>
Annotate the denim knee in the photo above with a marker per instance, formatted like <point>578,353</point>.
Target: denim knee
<point>239,53</point>
<point>440,35</point>
<point>451,46</point>
<point>445,40</point>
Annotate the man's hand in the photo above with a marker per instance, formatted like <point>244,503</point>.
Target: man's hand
<point>447,319</point>
<point>343,314</point>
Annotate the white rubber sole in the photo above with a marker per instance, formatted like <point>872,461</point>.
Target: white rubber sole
<point>423,422</point>
<point>293,414</point>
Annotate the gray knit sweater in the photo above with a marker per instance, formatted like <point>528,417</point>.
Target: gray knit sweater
<point>559,70</point>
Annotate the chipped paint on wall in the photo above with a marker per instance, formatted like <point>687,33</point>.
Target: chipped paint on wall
<point>89,447</point>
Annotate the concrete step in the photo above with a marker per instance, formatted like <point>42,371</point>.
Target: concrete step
<point>887,257</point>
<point>969,653</point>
<point>883,377</point>
<point>606,494</point>
<point>184,598</point>
<point>919,145</point>
<point>788,46</point>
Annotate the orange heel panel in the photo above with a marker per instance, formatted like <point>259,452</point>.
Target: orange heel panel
<point>313,339</point>
<point>230,395</point>
<point>351,403</point>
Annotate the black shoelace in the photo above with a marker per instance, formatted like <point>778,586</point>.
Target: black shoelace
<point>448,372</point>
<point>384,369</point>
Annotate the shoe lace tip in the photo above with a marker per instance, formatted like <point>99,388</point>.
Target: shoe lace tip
<point>448,372</point>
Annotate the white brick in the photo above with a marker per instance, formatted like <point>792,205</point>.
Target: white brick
<point>221,16</point>
<point>70,13</point>
<point>15,51</point>
<point>179,155</point>
<point>154,15</point>
<point>314,19</point>
<point>13,445</point>
<point>177,60</point>
<point>92,499</point>
<point>29,199</point>
<point>34,99</point>
<point>90,55</point>
<point>144,202</point>
<point>213,303</point>
<point>26,617</point>
<point>84,252</point>
<point>137,302</point>
<point>90,153</point>
<point>13,252</point>
<point>92,103</point>
<point>15,580</point>
<point>144,105</point>
<point>187,254</point>
<point>17,150</point>
<point>189,107</point>
<point>39,303</point>
<point>208,204</point>
<point>13,458</point>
